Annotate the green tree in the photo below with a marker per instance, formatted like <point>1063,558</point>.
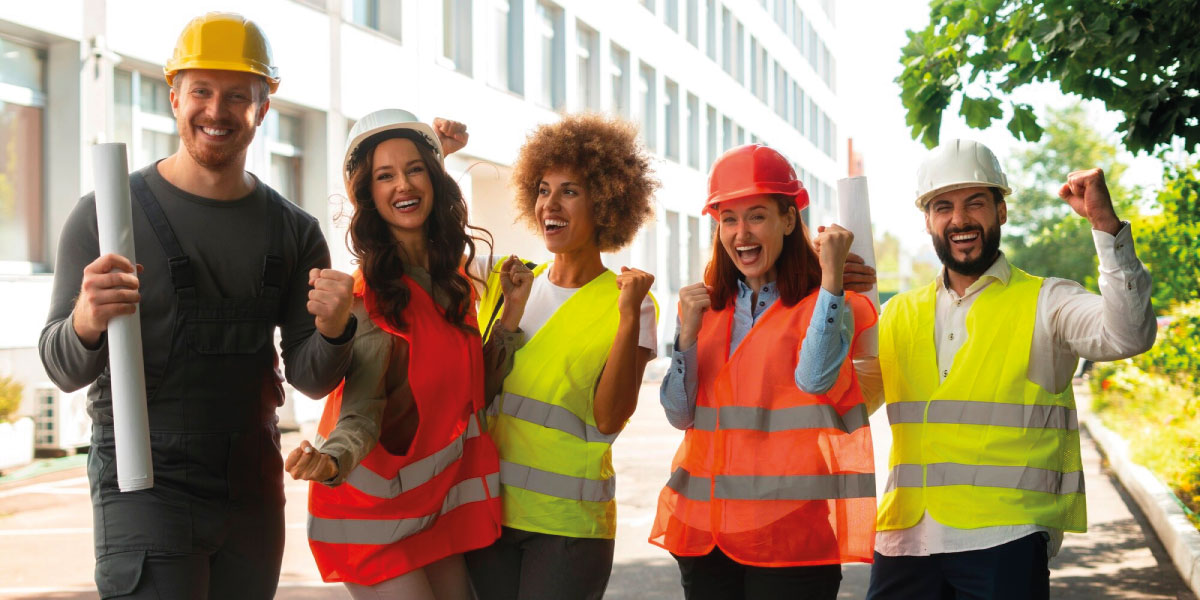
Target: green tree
<point>1170,243</point>
<point>1043,235</point>
<point>10,397</point>
<point>1140,58</point>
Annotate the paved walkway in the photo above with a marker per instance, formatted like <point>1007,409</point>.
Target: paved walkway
<point>45,533</point>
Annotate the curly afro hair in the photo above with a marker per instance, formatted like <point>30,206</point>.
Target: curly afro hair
<point>606,154</point>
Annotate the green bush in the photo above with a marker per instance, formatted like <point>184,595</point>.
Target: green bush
<point>1176,353</point>
<point>10,397</point>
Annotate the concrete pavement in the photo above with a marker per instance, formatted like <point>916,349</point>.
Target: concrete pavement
<point>46,548</point>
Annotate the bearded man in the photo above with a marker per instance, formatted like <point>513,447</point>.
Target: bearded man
<point>985,472</point>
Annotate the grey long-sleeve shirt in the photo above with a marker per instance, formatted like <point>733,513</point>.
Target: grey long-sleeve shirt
<point>226,242</point>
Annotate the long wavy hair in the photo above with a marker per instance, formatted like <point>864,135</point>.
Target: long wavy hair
<point>797,270</point>
<point>382,257</point>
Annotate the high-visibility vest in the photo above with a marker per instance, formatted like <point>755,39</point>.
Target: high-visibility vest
<point>772,475</point>
<point>556,473</point>
<point>986,446</point>
<point>394,514</point>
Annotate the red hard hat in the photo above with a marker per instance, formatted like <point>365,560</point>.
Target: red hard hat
<point>751,170</point>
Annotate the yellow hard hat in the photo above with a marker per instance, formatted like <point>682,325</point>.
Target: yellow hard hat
<point>223,41</point>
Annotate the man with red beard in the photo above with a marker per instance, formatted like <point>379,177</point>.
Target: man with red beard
<point>985,472</point>
<point>224,261</point>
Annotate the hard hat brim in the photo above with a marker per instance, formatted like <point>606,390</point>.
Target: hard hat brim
<point>422,129</point>
<point>800,196</point>
<point>171,71</point>
<point>924,199</point>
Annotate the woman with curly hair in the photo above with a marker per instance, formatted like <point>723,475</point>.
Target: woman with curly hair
<point>403,478</point>
<point>584,184</point>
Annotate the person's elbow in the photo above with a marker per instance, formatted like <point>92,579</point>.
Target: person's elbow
<point>610,426</point>
<point>816,386</point>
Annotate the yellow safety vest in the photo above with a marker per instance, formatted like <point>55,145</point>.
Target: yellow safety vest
<point>986,446</point>
<point>556,473</point>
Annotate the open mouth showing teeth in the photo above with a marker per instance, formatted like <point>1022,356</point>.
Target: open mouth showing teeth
<point>554,224</point>
<point>964,237</point>
<point>403,204</point>
<point>748,254</point>
<point>215,132</point>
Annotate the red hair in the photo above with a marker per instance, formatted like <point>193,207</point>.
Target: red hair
<point>797,270</point>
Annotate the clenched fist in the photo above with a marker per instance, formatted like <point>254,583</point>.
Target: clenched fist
<point>634,285</point>
<point>833,246</point>
<point>329,300</point>
<point>109,289</point>
<point>308,464</point>
<point>516,280</point>
<point>693,301</point>
<point>452,134</point>
<point>1087,193</point>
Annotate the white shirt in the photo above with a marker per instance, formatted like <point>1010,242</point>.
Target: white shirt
<point>1071,323</point>
<point>545,298</point>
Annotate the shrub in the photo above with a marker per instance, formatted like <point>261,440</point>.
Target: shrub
<point>10,397</point>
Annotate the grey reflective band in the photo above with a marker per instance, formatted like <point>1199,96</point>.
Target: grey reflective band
<point>380,532</point>
<point>689,486</point>
<point>413,475</point>
<point>556,484</point>
<point>773,487</point>
<point>552,416</point>
<point>1017,478</point>
<point>1030,416</point>
<point>812,416</point>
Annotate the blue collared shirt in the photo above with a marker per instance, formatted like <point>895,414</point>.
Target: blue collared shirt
<point>826,345</point>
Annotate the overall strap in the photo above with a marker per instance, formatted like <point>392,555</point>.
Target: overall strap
<point>182,276</point>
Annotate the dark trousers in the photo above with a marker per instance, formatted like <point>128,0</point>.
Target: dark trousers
<point>523,565</point>
<point>715,576</point>
<point>1018,569</point>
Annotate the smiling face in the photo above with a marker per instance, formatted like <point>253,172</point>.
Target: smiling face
<point>217,113</point>
<point>752,231</point>
<point>564,213</point>
<point>965,228</point>
<point>402,189</point>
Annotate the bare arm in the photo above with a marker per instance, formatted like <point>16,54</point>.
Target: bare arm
<point>617,390</point>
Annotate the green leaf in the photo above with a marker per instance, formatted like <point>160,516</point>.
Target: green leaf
<point>1022,52</point>
<point>1023,124</point>
<point>979,114</point>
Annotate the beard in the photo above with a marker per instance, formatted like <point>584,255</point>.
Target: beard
<point>990,248</point>
<point>216,158</point>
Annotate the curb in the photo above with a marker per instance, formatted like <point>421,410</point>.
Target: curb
<point>1158,503</point>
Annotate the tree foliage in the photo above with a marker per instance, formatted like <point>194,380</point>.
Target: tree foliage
<point>1044,235</point>
<point>10,397</point>
<point>1170,242</point>
<point>1138,57</point>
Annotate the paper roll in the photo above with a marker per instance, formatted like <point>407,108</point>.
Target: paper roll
<point>854,213</point>
<point>131,422</point>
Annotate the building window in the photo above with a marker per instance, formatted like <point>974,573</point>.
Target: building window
<point>693,131</point>
<point>671,14</point>
<point>728,53</point>
<point>588,72</point>
<point>781,91</point>
<point>673,258</point>
<point>695,259</point>
<point>710,29</point>
<point>650,248</point>
<point>619,70</point>
<point>712,136</point>
<point>755,82</point>
<point>741,135</point>
<point>317,4</point>
<point>693,22</point>
<point>505,67</point>
<point>649,4</point>
<point>381,15</point>
<point>456,34</point>
<point>726,134</point>
<point>550,30</point>
<point>764,74</point>
<point>285,141</point>
<point>647,106</point>
<point>671,117</point>
<point>142,117</point>
<point>740,41</point>
<point>22,102</point>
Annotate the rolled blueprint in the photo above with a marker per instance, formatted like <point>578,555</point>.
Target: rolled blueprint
<point>131,423</point>
<point>854,213</point>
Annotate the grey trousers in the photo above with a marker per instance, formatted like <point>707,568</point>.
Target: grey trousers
<point>523,565</point>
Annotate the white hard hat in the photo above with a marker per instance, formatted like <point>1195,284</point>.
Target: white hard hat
<point>955,165</point>
<point>388,119</point>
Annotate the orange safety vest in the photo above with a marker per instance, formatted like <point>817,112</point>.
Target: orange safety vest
<point>394,514</point>
<point>772,475</point>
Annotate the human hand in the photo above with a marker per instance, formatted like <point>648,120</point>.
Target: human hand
<point>109,289</point>
<point>452,134</point>
<point>1087,193</point>
<point>693,301</point>
<point>857,276</point>
<point>833,246</point>
<point>634,285</point>
<point>329,300</point>
<point>306,463</point>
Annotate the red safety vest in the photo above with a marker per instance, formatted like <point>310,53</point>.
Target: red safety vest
<point>773,476</point>
<point>394,514</point>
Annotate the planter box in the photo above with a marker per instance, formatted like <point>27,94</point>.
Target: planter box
<point>16,443</point>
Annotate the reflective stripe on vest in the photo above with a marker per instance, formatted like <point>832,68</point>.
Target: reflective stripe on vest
<point>773,487</point>
<point>556,484</point>
<point>414,475</point>
<point>552,416</point>
<point>812,416</point>
<point>383,531</point>
<point>1017,478</point>
<point>965,412</point>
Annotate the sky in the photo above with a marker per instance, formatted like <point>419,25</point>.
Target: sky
<point>872,34</point>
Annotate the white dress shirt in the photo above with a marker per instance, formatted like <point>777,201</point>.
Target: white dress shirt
<point>1071,323</point>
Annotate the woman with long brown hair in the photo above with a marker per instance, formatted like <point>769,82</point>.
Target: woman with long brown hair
<point>772,488</point>
<point>404,479</point>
